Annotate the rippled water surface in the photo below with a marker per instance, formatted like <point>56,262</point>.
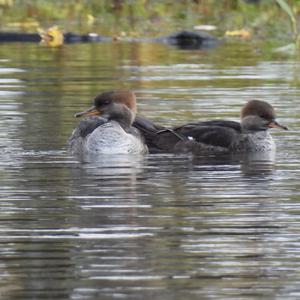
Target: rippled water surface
<point>154,227</point>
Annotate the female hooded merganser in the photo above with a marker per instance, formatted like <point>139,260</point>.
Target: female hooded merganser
<point>217,136</point>
<point>108,129</point>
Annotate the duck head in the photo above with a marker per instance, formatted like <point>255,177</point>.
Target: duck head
<point>119,105</point>
<point>259,115</point>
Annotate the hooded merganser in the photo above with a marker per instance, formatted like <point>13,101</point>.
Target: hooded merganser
<point>108,130</point>
<point>216,136</point>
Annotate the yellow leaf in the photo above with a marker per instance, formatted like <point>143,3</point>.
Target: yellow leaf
<point>90,19</point>
<point>243,34</point>
<point>52,37</point>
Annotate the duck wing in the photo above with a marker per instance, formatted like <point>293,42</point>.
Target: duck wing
<point>219,133</point>
<point>207,134</point>
<point>221,123</point>
<point>88,125</point>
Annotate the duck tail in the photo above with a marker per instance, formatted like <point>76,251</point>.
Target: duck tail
<point>158,138</point>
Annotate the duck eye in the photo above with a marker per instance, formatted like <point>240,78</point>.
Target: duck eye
<point>103,103</point>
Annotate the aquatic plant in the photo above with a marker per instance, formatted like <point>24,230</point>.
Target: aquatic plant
<point>288,9</point>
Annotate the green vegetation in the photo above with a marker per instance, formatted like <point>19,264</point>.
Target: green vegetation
<point>293,18</point>
<point>271,19</point>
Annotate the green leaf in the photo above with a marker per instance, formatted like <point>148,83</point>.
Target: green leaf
<point>284,5</point>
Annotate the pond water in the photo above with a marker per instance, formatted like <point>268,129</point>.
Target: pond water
<point>159,226</point>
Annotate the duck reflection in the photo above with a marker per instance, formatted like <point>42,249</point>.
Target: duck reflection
<point>250,164</point>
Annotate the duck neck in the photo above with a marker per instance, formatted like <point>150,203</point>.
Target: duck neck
<point>253,124</point>
<point>124,116</point>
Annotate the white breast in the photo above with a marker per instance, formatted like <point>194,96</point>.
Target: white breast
<point>260,141</point>
<point>111,138</point>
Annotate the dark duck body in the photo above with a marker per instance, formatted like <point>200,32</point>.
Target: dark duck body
<point>215,136</point>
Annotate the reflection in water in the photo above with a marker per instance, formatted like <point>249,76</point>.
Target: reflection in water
<point>159,226</point>
<point>259,165</point>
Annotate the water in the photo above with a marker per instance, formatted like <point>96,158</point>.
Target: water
<point>154,227</point>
